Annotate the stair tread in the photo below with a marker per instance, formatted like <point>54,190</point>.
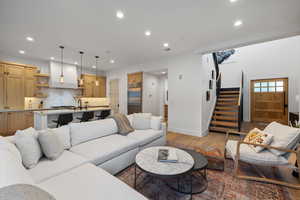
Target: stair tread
<point>225,113</point>
<point>233,107</point>
<point>229,95</point>
<point>220,129</point>
<point>228,99</point>
<point>227,103</point>
<point>229,92</point>
<point>224,123</point>
<point>229,118</point>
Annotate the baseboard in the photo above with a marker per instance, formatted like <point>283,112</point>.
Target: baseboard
<point>186,131</point>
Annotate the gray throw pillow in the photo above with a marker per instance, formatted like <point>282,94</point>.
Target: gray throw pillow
<point>51,144</point>
<point>29,148</point>
<point>123,124</point>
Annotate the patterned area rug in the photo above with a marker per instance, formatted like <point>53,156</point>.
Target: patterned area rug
<point>221,186</point>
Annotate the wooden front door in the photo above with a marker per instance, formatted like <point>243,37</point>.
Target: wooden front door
<point>269,100</point>
<point>114,95</point>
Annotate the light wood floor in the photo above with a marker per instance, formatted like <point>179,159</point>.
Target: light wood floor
<point>218,140</point>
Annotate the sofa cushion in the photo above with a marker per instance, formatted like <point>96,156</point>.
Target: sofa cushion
<point>6,144</point>
<point>51,144</point>
<point>156,122</point>
<point>11,170</point>
<point>91,183</point>
<point>145,136</point>
<point>141,121</point>
<point>85,131</point>
<point>102,149</point>
<point>63,134</point>
<point>29,148</point>
<point>283,136</point>
<point>46,168</point>
<point>247,154</point>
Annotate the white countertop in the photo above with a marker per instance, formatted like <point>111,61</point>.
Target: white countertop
<point>55,112</point>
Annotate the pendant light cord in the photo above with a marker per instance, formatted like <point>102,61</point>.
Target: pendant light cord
<point>62,60</point>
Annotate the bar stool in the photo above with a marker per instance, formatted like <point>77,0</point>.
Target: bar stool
<point>63,119</point>
<point>86,116</point>
<point>104,114</point>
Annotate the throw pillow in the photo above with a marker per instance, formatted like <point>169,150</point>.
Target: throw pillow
<point>63,134</point>
<point>50,144</point>
<point>284,136</point>
<point>29,148</point>
<point>156,122</point>
<point>141,121</point>
<point>257,136</point>
<point>123,124</point>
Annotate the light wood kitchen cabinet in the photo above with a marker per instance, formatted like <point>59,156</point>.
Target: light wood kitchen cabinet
<point>29,120</point>
<point>15,121</point>
<point>2,96</point>
<point>30,82</point>
<point>10,122</point>
<point>3,124</point>
<point>89,86</point>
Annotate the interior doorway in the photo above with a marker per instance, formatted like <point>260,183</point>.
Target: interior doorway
<point>269,100</point>
<point>114,95</point>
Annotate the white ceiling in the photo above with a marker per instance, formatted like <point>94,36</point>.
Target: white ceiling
<point>187,25</point>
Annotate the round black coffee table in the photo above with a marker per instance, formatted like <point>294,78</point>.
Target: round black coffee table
<point>196,181</point>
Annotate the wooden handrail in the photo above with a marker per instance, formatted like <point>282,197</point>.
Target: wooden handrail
<point>219,77</point>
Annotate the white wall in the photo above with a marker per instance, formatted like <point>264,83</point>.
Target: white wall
<point>184,86</point>
<point>208,65</point>
<point>275,59</point>
<point>151,94</point>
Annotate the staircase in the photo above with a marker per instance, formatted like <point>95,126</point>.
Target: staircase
<point>226,113</point>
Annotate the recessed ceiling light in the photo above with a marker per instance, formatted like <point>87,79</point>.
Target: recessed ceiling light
<point>75,63</point>
<point>112,61</point>
<point>22,52</point>
<point>238,23</point>
<point>52,58</point>
<point>147,33</point>
<point>166,44</point>
<point>163,72</point>
<point>232,1</point>
<point>30,39</point>
<point>93,66</point>
<point>120,14</point>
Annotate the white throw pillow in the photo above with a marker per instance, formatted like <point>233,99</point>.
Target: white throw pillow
<point>141,121</point>
<point>28,131</point>
<point>9,146</point>
<point>51,145</point>
<point>63,134</point>
<point>156,122</point>
<point>12,171</point>
<point>85,131</point>
<point>283,136</point>
<point>29,148</point>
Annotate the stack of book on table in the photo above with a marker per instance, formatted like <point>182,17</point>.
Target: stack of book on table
<point>167,155</point>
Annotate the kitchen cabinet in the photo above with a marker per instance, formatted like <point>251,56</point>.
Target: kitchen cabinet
<point>15,121</point>
<point>10,122</point>
<point>3,124</point>
<point>30,82</point>
<point>14,82</point>
<point>2,96</point>
<point>89,86</point>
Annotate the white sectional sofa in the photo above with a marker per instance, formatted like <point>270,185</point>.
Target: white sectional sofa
<point>84,171</point>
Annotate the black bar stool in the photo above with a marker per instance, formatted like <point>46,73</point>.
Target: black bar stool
<point>86,116</point>
<point>104,114</point>
<point>63,119</point>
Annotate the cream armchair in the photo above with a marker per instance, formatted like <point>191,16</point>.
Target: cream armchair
<point>241,151</point>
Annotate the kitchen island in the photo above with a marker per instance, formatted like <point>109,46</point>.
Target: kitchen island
<point>43,119</point>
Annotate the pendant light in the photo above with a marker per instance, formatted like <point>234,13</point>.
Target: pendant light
<point>81,75</point>
<point>61,79</point>
<point>97,81</point>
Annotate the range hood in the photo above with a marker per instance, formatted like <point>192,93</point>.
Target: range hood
<point>70,76</point>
